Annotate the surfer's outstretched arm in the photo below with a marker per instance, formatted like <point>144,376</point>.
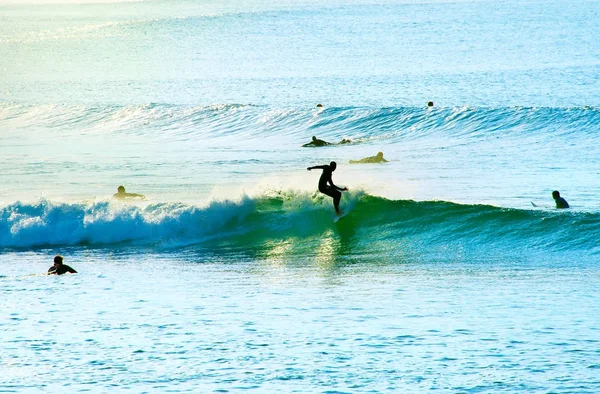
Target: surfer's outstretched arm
<point>135,195</point>
<point>316,168</point>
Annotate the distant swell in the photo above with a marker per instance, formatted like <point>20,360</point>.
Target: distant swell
<point>253,222</point>
<point>251,121</point>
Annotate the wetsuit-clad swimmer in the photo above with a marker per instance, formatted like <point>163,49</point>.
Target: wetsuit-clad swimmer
<point>560,202</point>
<point>326,185</point>
<point>59,268</point>
<point>316,142</point>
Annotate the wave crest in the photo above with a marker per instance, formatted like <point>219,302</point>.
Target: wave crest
<point>287,214</point>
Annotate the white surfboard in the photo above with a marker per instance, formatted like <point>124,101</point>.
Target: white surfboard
<point>341,215</point>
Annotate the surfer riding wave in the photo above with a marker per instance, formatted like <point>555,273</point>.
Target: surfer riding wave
<point>326,185</point>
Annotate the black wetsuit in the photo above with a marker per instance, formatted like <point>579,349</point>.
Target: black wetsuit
<point>61,269</point>
<point>561,203</point>
<point>320,143</point>
<point>317,142</point>
<point>326,186</point>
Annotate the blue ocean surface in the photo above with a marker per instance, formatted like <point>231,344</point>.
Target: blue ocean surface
<point>451,272</point>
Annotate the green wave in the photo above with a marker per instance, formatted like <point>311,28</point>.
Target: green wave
<point>301,224</point>
<point>375,223</point>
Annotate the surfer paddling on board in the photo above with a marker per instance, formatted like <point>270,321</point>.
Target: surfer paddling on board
<point>326,185</point>
<point>121,194</point>
<point>59,267</point>
<point>316,142</point>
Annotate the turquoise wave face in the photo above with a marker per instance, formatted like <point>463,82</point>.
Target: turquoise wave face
<point>299,224</point>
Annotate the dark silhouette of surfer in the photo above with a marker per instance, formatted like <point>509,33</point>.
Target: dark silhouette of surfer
<point>59,268</point>
<point>371,159</point>
<point>122,195</point>
<point>316,142</point>
<point>326,185</point>
<point>560,202</point>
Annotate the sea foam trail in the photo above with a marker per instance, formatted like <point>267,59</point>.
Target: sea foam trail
<point>289,215</point>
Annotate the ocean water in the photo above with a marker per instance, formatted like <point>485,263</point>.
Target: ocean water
<point>452,271</point>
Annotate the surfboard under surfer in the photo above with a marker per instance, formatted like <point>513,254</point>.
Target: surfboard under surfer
<point>326,185</point>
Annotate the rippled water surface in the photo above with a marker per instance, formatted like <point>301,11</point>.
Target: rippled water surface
<point>314,325</point>
<point>452,272</point>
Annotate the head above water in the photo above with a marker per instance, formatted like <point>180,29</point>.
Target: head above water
<point>58,259</point>
<point>555,194</point>
<point>430,104</point>
<point>121,189</point>
<point>380,154</point>
<point>333,165</point>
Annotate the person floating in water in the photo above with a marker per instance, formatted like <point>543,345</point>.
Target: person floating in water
<point>430,103</point>
<point>59,268</point>
<point>317,142</point>
<point>326,185</point>
<point>560,202</point>
<point>120,194</point>
<point>371,159</point>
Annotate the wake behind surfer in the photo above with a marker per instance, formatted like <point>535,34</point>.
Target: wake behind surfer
<point>326,185</point>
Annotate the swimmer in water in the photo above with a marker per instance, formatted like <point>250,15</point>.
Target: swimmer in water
<point>122,195</point>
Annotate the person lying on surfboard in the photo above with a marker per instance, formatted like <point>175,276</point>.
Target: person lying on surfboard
<point>317,142</point>
<point>371,159</point>
<point>326,185</point>
<point>122,195</point>
<point>59,267</point>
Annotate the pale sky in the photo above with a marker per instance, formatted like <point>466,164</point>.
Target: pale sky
<point>18,2</point>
